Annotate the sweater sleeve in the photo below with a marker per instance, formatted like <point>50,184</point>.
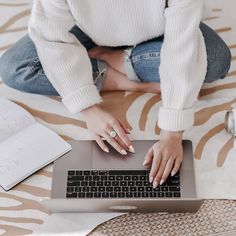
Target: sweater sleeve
<point>64,59</point>
<point>183,64</point>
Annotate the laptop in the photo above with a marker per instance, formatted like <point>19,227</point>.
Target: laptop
<point>87,179</point>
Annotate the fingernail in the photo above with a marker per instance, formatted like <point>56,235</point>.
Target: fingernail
<point>144,163</point>
<point>131,149</point>
<point>150,179</point>
<point>123,152</point>
<point>155,184</point>
<point>128,130</point>
<point>106,149</point>
<point>162,181</point>
<point>173,173</point>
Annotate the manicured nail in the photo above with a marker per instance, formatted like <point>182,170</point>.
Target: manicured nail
<point>128,130</point>
<point>123,152</point>
<point>155,184</point>
<point>162,181</point>
<point>106,149</point>
<point>150,179</point>
<point>131,149</point>
<point>173,173</point>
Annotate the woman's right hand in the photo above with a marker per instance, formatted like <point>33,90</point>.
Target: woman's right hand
<point>101,123</point>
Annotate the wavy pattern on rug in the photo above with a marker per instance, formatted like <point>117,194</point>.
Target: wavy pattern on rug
<point>138,110</point>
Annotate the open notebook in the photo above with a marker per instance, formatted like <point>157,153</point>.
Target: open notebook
<point>25,145</point>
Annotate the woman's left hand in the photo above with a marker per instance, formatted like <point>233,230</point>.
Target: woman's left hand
<point>165,156</point>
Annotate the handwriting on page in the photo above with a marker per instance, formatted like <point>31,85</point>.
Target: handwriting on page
<point>12,119</point>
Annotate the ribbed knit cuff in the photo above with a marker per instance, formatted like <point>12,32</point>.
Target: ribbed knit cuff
<point>82,98</point>
<point>175,120</point>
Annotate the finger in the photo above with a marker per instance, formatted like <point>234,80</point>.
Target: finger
<point>125,127</point>
<point>160,171</point>
<point>148,157</point>
<point>101,143</point>
<point>123,136</point>
<point>176,166</point>
<point>114,143</point>
<point>155,165</point>
<point>167,170</point>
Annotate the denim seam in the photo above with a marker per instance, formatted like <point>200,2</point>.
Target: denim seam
<point>31,66</point>
<point>146,56</point>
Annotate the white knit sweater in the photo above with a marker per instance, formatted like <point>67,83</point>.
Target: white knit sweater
<point>116,23</point>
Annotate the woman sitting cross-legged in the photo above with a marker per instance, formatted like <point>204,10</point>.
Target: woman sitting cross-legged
<point>77,48</point>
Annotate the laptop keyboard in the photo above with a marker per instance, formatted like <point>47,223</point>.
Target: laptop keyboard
<point>119,184</point>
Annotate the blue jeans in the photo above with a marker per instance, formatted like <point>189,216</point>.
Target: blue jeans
<point>20,67</point>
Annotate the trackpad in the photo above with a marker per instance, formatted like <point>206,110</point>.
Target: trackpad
<point>115,160</point>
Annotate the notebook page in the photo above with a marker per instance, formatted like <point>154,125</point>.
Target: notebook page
<point>12,118</point>
<point>28,151</point>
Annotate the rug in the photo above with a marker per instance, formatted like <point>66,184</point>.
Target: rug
<point>214,156</point>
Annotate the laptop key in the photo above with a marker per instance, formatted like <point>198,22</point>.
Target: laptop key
<point>164,189</point>
<point>119,177</point>
<point>94,189</point>
<point>92,183</point>
<point>85,189</point>
<point>89,195</point>
<point>105,195</point>
<point>153,194</point>
<point>133,189</point>
<point>71,172</point>
<point>97,195</point>
<point>94,172</point>
<point>135,177</point>
<point>73,183</point>
<point>86,178</point>
<point>141,189</point>
<point>71,195</point>
<point>101,189</point>
<point>174,189</point>
<point>160,194</point>
<point>129,195</point>
<point>177,194</point>
<point>100,183</point>
<point>104,178</point>
<point>103,172</point>
<point>131,183</point>
<point>86,172</point>
<point>168,194</point>
<point>121,195</point>
<point>109,189</point>
<point>79,172</point>
<point>117,189</point>
<point>111,178</point>
<point>125,189</point>
<point>137,194</point>
<point>144,194</point>
<point>81,195</point>
<point>78,189</point>
<point>127,177</point>
<point>123,183</point>
<point>113,195</point>
<point>96,178</point>
<point>70,189</point>
<point>107,183</point>
<point>84,183</point>
<point>115,183</point>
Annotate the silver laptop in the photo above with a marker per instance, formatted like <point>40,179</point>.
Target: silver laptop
<point>87,179</point>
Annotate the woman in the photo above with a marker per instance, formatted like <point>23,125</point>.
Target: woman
<point>78,48</point>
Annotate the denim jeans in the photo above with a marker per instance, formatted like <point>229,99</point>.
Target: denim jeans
<point>20,67</point>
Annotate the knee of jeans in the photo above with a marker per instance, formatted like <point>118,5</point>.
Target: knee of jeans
<point>7,68</point>
<point>146,61</point>
<point>219,68</point>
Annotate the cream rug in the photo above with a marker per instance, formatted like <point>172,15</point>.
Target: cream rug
<point>20,211</point>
